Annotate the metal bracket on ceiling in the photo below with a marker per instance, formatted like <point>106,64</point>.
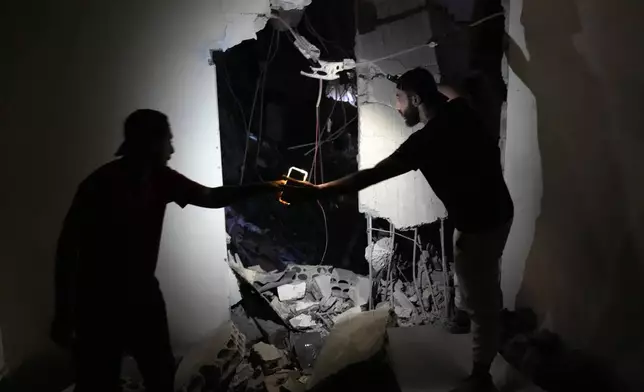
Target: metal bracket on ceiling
<point>330,70</point>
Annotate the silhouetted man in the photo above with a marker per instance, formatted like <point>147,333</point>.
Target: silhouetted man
<point>461,162</point>
<point>108,300</point>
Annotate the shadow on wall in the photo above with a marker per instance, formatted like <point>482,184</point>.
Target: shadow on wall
<point>584,272</point>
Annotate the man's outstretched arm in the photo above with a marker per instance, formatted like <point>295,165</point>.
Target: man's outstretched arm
<point>225,195</point>
<point>388,168</point>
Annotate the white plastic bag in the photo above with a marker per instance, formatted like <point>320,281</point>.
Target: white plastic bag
<point>354,339</point>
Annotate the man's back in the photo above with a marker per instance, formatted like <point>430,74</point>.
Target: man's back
<point>122,209</point>
<point>461,162</point>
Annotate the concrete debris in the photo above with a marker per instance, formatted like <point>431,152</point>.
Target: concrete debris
<point>243,374</point>
<point>347,314</point>
<point>303,273</point>
<point>301,306</point>
<point>360,291</point>
<point>269,357</point>
<point>402,312</point>
<point>289,292</point>
<point>268,277</point>
<point>274,382</point>
<point>216,358</point>
<point>341,282</point>
<point>281,309</point>
<point>303,321</point>
<point>327,303</point>
<point>290,4</point>
<point>399,286</point>
<point>275,334</point>
<point>403,302</point>
<point>294,384</point>
<point>427,295</point>
<point>245,324</point>
<point>267,352</point>
<point>321,286</point>
<point>379,253</point>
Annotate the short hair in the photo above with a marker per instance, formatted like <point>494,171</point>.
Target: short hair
<point>142,128</point>
<point>421,82</point>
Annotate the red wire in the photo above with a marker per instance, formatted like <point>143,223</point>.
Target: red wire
<point>317,144</point>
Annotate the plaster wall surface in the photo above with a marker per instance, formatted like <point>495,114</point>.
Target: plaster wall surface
<point>406,200</point>
<point>72,71</point>
<point>574,167</point>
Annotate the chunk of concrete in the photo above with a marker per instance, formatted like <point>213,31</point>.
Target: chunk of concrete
<point>321,286</point>
<point>274,382</point>
<point>276,334</point>
<point>360,291</point>
<point>327,303</point>
<point>267,352</point>
<point>403,303</point>
<point>269,357</point>
<point>282,309</point>
<point>303,321</point>
<point>245,324</point>
<point>293,291</point>
<point>341,282</point>
<point>303,305</point>
<point>243,374</point>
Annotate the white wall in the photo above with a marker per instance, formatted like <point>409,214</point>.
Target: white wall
<point>574,167</point>
<point>71,72</point>
<point>406,200</point>
<point>522,169</point>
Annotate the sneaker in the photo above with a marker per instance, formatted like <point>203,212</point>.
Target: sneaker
<point>476,384</point>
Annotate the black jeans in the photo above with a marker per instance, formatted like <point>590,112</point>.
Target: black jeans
<point>107,329</point>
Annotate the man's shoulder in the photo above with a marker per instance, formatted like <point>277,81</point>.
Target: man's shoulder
<point>459,108</point>
<point>460,115</point>
<point>103,174</point>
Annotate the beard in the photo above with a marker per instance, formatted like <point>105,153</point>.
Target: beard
<point>411,116</point>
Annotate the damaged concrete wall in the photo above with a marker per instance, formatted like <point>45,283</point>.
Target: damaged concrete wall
<point>575,121</point>
<point>73,71</point>
<point>406,200</point>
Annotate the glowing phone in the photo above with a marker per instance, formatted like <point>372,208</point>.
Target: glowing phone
<point>293,174</point>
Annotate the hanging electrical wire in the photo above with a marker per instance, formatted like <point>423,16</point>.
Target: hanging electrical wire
<point>333,136</point>
<point>326,233</point>
<point>309,27</point>
<point>323,40</point>
<point>312,172</point>
<point>275,38</point>
<point>261,81</point>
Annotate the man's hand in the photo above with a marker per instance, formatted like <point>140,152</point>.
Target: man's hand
<point>62,332</point>
<point>295,191</point>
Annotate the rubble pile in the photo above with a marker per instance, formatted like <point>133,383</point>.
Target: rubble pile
<point>308,302</point>
<point>416,291</point>
<point>245,361</point>
<point>316,297</point>
<point>307,298</point>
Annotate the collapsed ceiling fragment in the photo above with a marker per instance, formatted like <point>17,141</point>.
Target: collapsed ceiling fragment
<point>245,18</point>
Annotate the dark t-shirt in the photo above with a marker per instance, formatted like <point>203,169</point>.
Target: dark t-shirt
<point>462,164</point>
<point>120,223</point>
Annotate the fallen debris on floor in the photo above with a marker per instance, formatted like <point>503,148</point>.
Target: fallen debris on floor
<point>319,319</point>
<point>289,292</point>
